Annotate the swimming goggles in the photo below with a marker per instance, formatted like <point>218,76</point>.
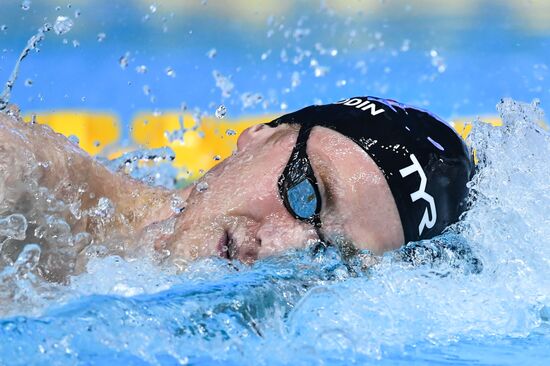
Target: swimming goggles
<point>297,184</point>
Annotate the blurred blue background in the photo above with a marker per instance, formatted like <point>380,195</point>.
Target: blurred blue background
<point>452,57</point>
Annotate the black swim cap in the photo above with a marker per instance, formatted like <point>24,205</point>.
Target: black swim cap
<point>425,162</point>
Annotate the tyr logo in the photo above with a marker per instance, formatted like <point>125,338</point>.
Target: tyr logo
<point>426,221</point>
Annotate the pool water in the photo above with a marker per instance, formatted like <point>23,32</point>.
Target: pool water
<point>485,303</point>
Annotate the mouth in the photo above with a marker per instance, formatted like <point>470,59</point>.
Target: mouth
<point>226,246</point>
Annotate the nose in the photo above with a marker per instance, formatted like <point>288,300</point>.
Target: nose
<point>249,135</point>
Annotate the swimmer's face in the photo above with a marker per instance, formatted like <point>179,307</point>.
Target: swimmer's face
<point>238,212</point>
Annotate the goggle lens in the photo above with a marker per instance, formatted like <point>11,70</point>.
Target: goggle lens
<point>302,199</point>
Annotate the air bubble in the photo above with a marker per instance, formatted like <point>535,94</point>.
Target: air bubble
<point>101,37</point>
<point>3,27</point>
<point>153,8</point>
<point>230,132</point>
<point>28,82</point>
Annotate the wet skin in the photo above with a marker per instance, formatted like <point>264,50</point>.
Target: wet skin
<point>238,216</point>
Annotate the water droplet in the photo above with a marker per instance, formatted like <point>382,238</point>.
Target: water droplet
<point>230,132</point>
<point>170,72</point>
<point>212,53</point>
<point>153,8</point>
<point>77,13</point>
<point>27,260</point>
<point>295,79</point>
<point>265,55</point>
<point>105,208</point>
<point>62,25</point>
<point>201,186</point>
<point>83,99</point>
<point>221,111</point>
<point>28,82</point>
<point>177,204</point>
<point>26,5</point>
<point>438,61</point>
<point>224,83</point>
<point>250,99</point>
<point>74,139</point>
<point>123,61</point>
<point>97,143</point>
<point>217,157</point>
<point>101,37</point>
<point>406,45</point>
<point>284,106</point>
<point>341,83</point>
<point>318,70</point>
<point>76,43</point>
<point>14,226</point>
<point>3,27</point>
<point>141,69</point>
<point>146,90</point>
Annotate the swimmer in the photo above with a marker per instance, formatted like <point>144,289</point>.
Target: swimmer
<point>369,172</point>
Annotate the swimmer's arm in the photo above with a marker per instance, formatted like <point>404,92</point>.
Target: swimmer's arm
<point>35,152</point>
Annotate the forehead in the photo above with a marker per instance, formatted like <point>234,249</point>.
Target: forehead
<point>363,208</point>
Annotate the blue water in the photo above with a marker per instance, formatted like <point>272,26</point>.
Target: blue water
<point>305,307</point>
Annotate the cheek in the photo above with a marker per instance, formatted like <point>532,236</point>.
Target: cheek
<point>257,199</point>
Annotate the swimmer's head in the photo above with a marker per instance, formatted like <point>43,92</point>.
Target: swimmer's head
<point>424,161</point>
<point>372,172</point>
